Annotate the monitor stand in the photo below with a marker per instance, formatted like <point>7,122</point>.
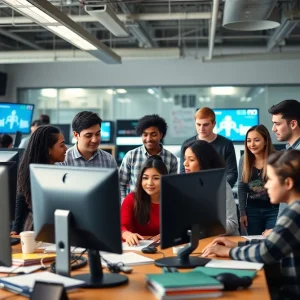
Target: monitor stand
<point>96,278</point>
<point>183,259</point>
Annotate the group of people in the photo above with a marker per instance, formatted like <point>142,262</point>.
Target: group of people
<point>266,179</point>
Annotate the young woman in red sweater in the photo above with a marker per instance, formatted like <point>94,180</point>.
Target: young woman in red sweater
<point>140,209</point>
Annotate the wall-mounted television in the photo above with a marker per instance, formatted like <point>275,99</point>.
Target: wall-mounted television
<point>107,132</point>
<point>15,117</point>
<point>234,123</point>
<point>125,133</point>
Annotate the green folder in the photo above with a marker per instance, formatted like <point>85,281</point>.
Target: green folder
<point>183,280</point>
<point>217,271</point>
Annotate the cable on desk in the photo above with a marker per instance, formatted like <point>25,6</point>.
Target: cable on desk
<point>117,267</point>
<point>82,261</point>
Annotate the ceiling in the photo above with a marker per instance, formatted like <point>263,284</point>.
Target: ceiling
<point>157,26</point>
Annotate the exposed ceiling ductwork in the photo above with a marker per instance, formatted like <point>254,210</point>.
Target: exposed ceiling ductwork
<point>249,15</point>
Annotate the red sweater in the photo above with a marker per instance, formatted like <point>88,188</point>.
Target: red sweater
<point>129,221</point>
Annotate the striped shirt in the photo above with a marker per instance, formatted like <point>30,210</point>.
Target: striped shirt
<point>100,159</point>
<point>295,146</point>
<point>282,244</point>
<point>132,163</point>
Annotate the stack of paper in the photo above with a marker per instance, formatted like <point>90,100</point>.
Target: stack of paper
<point>176,286</point>
<point>234,264</point>
<point>21,259</point>
<point>128,259</point>
<point>23,284</point>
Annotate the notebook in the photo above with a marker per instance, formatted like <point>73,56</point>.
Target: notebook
<point>142,244</point>
<point>23,284</point>
<point>183,285</point>
<point>128,258</point>
<point>218,271</point>
<point>234,264</point>
<point>22,259</point>
<point>15,270</point>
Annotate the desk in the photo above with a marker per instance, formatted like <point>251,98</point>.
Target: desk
<point>136,288</point>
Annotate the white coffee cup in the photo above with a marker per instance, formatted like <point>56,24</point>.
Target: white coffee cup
<point>28,242</point>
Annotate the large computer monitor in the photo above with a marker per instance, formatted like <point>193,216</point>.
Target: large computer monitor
<point>18,158</point>
<point>126,134</point>
<point>107,132</point>
<point>15,117</point>
<point>233,123</point>
<point>78,207</point>
<point>5,249</point>
<point>10,161</point>
<point>192,206</point>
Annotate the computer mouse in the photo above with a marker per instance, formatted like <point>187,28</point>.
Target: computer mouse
<point>232,282</point>
<point>149,250</point>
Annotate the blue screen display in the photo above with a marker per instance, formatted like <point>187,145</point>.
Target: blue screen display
<point>106,132</point>
<point>234,123</point>
<point>15,117</point>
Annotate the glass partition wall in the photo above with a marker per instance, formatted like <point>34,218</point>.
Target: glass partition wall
<point>176,104</point>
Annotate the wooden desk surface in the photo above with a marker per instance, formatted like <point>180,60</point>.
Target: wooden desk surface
<point>137,286</point>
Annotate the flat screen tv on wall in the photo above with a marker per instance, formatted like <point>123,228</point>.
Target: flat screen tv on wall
<point>234,123</point>
<point>15,117</point>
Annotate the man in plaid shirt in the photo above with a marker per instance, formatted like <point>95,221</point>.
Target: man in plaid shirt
<point>153,129</point>
<point>283,243</point>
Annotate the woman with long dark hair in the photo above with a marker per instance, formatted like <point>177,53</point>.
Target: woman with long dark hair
<point>201,155</point>
<point>257,213</point>
<point>140,209</point>
<point>46,146</point>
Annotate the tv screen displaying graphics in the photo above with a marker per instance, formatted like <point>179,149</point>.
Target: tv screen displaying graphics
<point>234,123</point>
<point>125,133</point>
<point>15,117</point>
<point>107,132</point>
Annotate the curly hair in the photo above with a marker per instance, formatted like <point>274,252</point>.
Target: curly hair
<point>37,152</point>
<point>142,201</point>
<point>151,120</point>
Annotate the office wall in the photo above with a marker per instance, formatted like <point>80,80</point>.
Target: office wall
<point>145,73</point>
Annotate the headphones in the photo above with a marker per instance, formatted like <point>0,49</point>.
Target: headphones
<point>232,282</point>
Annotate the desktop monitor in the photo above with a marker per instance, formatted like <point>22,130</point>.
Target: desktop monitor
<point>5,249</point>
<point>10,160</point>
<point>279,147</point>
<point>15,117</point>
<point>192,206</point>
<point>126,134</point>
<point>121,152</point>
<point>65,129</point>
<point>234,123</point>
<point>107,132</point>
<point>18,138</point>
<point>78,207</point>
<point>18,158</point>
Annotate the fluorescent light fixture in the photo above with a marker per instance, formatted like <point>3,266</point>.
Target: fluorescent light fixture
<point>110,92</point>
<point>108,19</point>
<point>121,91</point>
<point>222,90</point>
<point>49,93</point>
<point>150,91</point>
<point>54,20</point>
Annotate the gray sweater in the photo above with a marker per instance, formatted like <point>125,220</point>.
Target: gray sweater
<point>232,227</point>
